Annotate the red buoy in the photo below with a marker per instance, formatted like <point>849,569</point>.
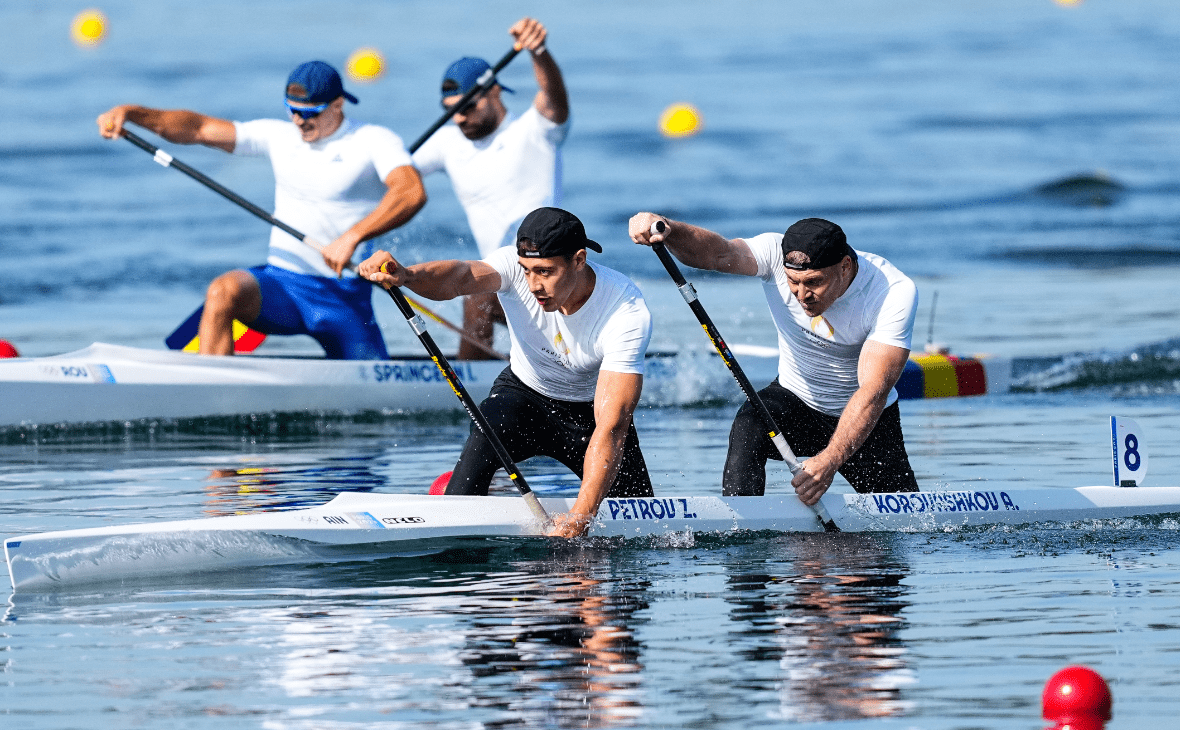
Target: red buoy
<point>1076,698</point>
<point>439,485</point>
<point>7,349</point>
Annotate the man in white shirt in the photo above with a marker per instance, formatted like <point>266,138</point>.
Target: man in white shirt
<point>845,320</point>
<point>579,336</point>
<point>336,180</point>
<point>501,166</point>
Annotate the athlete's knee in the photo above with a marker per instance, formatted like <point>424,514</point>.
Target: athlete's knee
<point>236,293</point>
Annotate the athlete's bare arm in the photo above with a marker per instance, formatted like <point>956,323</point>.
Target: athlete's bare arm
<point>437,280</point>
<point>878,370</point>
<point>615,399</point>
<point>403,199</point>
<point>551,100</point>
<point>695,246</point>
<point>175,125</point>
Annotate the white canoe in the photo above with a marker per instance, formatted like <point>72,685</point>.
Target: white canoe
<point>104,383</point>
<point>357,526</point>
<point>114,383</point>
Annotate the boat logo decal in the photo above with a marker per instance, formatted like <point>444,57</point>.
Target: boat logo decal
<point>920,502</point>
<point>366,520</point>
<point>403,520</point>
<point>649,508</point>
<point>101,373</point>
<point>423,372</point>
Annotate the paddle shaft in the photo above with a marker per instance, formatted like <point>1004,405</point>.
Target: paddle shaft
<point>469,404</point>
<point>776,436</point>
<point>482,84</point>
<point>168,160</point>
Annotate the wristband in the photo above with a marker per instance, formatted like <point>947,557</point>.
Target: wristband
<point>539,50</point>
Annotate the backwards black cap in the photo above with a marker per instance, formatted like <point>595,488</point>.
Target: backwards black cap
<point>552,232</point>
<point>815,244</point>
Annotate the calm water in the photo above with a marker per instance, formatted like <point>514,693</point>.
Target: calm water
<point>1017,157</point>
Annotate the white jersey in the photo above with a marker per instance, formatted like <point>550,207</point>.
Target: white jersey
<point>501,178</point>
<point>322,188</point>
<point>559,355</point>
<point>818,356</point>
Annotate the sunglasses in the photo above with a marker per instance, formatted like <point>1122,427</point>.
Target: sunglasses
<point>307,112</point>
<point>454,109</point>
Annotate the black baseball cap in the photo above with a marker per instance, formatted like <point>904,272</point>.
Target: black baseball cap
<point>552,232</point>
<point>821,242</point>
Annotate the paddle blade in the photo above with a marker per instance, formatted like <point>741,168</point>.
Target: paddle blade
<point>439,485</point>
<point>185,337</point>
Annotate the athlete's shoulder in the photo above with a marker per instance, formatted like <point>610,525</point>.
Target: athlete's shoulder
<point>374,132</point>
<point>620,288</point>
<point>891,273</point>
<point>267,127</point>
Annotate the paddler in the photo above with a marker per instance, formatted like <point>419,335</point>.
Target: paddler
<point>579,335</point>
<point>502,166</point>
<point>845,319</point>
<point>339,181</point>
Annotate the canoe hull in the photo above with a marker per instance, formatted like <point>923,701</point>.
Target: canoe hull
<point>368,526</point>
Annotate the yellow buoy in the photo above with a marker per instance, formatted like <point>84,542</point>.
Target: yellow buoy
<point>89,27</point>
<point>365,64</point>
<point>1068,3</point>
<point>680,120</point>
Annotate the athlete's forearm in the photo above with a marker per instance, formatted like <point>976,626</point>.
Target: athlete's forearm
<point>857,421</point>
<point>182,126</point>
<point>443,280</point>
<point>698,247</point>
<point>403,199</point>
<point>600,468</point>
<point>552,100</point>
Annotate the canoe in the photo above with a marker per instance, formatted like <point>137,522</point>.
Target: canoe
<point>355,526</point>
<point>104,383</point>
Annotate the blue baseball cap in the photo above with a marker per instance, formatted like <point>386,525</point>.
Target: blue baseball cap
<point>316,82</point>
<point>463,74</point>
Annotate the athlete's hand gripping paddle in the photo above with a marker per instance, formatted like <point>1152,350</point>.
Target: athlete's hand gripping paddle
<point>472,409</point>
<point>776,436</point>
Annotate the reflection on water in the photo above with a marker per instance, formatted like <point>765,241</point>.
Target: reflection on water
<point>830,620</point>
<point>557,648</point>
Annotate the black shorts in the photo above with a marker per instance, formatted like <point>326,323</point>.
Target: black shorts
<point>880,465</point>
<point>531,424</point>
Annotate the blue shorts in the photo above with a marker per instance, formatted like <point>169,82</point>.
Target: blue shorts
<point>338,313</point>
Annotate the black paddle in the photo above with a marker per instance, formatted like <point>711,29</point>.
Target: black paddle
<point>481,422</point>
<point>776,436</point>
<point>482,84</point>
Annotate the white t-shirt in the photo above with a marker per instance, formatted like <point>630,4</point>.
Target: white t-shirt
<point>818,355</point>
<point>501,178</point>
<point>322,188</point>
<point>560,356</point>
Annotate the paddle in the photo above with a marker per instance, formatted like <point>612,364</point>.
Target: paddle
<point>482,84</point>
<point>776,436</point>
<point>181,338</point>
<point>481,422</point>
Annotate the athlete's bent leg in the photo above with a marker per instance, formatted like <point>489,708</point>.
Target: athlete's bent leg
<point>233,295</point>
<point>749,448</point>
<point>510,412</point>
<point>881,463</point>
